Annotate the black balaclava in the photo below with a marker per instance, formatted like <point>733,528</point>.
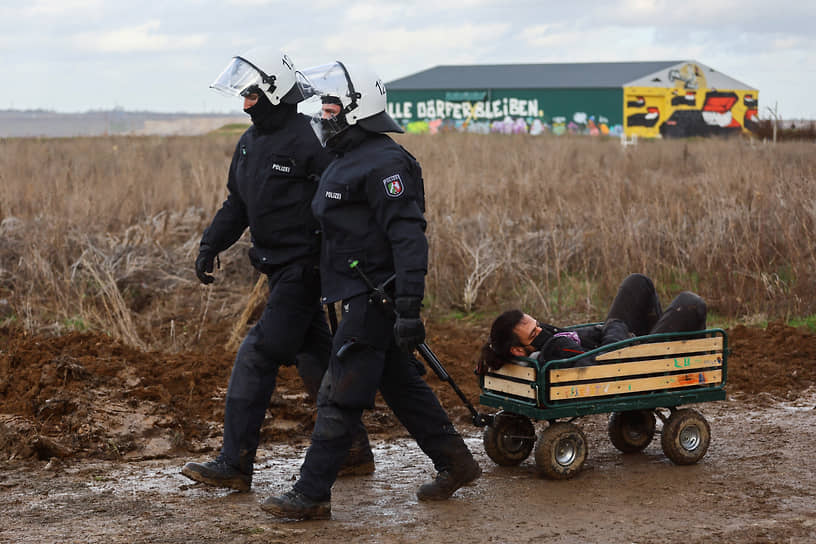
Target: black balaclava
<point>267,117</point>
<point>348,139</point>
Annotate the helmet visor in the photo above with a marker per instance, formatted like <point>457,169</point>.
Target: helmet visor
<point>326,129</point>
<point>326,80</point>
<point>238,79</point>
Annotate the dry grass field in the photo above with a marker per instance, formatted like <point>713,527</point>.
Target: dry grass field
<point>101,233</point>
<point>114,360</point>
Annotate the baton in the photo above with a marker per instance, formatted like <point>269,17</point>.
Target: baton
<point>480,420</point>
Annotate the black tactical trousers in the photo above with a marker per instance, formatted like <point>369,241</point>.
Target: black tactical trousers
<point>291,329</point>
<point>371,361</point>
<point>637,305</point>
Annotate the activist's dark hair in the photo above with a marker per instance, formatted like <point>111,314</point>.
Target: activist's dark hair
<point>496,351</point>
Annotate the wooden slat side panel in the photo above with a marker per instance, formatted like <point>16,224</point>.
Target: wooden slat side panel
<point>516,371</point>
<point>634,368</point>
<point>662,349</point>
<point>511,388</point>
<point>637,385</point>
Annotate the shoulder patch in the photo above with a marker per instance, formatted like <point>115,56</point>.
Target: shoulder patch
<point>393,186</point>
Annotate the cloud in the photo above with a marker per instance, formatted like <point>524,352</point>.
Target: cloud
<point>50,8</point>
<point>768,45</point>
<point>141,38</point>
<point>718,18</point>
<point>572,43</point>
<point>418,11</point>
<point>396,51</point>
<point>382,10</point>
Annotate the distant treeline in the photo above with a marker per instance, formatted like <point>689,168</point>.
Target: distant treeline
<point>51,124</point>
<point>787,130</point>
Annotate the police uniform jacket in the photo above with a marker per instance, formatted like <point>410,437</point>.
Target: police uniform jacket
<point>272,179</point>
<point>370,205</point>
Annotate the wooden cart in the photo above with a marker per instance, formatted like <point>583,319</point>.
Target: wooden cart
<point>636,381</point>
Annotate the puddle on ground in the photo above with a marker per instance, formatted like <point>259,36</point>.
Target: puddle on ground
<point>401,467</point>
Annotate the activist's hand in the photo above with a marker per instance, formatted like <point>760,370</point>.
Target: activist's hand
<point>409,331</point>
<point>204,265</point>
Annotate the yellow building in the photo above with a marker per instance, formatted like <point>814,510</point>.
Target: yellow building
<point>688,99</point>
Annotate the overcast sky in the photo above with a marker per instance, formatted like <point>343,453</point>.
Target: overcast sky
<point>76,55</point>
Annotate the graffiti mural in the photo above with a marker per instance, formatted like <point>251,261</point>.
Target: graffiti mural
<point>751,119</point>
<point>685,102</point>
<point>690,76</point>
<point>647,119</point>
<point>483,112</point>
<point>714,118</point>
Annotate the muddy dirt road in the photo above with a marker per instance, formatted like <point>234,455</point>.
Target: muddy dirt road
<point>92,437</point>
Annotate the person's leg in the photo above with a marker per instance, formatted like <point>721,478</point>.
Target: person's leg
<point>635,304</point>
<point>252,377</point>
<point>313,356</point>
<point>687,312</point>
<point>349,386</point>
<point>312,363</point>
<point>332,437</point>
<point>419,410</point>
<point>360,459</point>
<point>310,497</point>
<point>279,334</point>
<point>273,341</point>
<point>250,388</point>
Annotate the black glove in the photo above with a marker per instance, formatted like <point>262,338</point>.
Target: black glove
<point>204,264</point>
<point>409,330</point>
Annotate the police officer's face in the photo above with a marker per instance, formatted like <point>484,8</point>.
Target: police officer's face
<point>250,100</point>
<point>330,110</point>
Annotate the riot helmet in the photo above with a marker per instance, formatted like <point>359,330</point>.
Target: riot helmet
<point>359,93</point>
<point>261,69</point>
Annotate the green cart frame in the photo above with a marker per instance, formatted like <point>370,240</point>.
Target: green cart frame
<point>636,381</point>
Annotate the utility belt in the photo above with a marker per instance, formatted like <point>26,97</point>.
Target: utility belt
<point>270,262</point>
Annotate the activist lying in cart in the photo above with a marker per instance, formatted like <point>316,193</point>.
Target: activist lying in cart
<point>635,311</point>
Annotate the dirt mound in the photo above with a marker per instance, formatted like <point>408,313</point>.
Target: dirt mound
<point>84,395</point>
<point>93,396</point>
<point>779,360</point>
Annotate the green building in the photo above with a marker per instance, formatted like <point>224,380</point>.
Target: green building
<point>650,99</point>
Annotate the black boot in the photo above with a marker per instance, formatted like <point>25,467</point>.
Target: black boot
<point>360,459</point>
<point>218,473</point>
<point>294,505</point>
<point>462,472</point>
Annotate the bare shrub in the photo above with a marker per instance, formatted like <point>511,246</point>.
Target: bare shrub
<point>730,220</point>
<point>102,232</point>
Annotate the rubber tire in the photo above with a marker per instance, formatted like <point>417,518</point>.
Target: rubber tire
<point>685,437</point>
<point>500,439</point>
<point>563,440</point>
<point>631,431</point>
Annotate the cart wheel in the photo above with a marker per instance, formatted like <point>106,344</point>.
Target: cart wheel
<point>509,439</point>
<point>561,451</point>
<point>631,431</point>
<point>685,436</point>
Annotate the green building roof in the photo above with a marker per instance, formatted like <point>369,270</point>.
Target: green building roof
<point>537,76</point>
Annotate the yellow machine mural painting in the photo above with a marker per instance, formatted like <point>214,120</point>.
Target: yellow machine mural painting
<point>685,102</point>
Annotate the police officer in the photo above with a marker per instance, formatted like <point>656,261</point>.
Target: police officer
<point>370,205</point>
<point>272,178</point>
